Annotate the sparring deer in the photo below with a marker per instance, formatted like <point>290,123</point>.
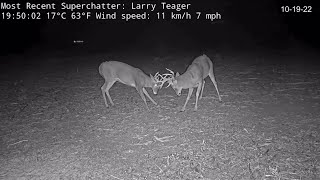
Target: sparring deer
<point>194,76</point>
<point>115,71</point>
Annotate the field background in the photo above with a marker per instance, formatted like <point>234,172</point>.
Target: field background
<point>54,124</point>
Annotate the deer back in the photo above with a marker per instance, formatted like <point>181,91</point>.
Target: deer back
<point>119,71</point>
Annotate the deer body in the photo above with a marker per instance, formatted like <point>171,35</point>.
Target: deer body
<point>113,71</point>
<point>194,76</point>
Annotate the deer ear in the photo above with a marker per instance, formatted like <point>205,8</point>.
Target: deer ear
<point>151,77</point>
<point>177,74</point>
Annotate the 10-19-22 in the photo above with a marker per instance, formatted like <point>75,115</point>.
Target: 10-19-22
<point>296,9</point>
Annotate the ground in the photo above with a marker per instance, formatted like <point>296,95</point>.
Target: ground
<point>54,124</point>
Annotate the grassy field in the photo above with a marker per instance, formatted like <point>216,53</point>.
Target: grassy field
<point>54,124</point>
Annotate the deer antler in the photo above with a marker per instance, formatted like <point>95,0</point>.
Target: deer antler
<point>156,76</point>
<point>164,78</point>
<point>160,79</point>
<point>172,73</point>
<point>171,77</point>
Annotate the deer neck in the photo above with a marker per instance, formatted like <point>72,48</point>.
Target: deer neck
<point>185,76</point>
<point>148,82</point>
<point>186,80</point>
<point>145,80</point>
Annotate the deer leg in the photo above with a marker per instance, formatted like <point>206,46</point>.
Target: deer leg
<point>213,79</point>
<point>202,89</point>
<point>200,86</point>
<point>140,91</point>
<point>147,94</point>
<point>188,97</point>
<point>103,90</point>
<point>109,85</point>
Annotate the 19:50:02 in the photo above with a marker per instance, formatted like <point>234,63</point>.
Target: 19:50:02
<point>20,15</point>
<point>296,9</point>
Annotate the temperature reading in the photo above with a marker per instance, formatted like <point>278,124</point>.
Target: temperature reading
<point>54,15</point>
<point>80,15</point>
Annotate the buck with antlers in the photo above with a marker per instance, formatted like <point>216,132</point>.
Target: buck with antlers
<point>194,76</point>
<point>113,71</point>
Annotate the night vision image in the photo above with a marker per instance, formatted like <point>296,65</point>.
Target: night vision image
<point>159,90</point>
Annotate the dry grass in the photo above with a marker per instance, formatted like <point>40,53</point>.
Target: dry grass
<point>58,128</point>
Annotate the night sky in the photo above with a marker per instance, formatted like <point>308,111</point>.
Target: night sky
<point>245,25</point>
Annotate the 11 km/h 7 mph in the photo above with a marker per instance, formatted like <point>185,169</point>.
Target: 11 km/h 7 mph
<point>186,15</point>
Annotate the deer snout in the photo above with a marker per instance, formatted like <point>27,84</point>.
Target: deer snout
<point>155,91</point>
<point>178,92</point>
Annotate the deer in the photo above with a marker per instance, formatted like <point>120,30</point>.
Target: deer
<point>115,71</point>
<point>200,68</point>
